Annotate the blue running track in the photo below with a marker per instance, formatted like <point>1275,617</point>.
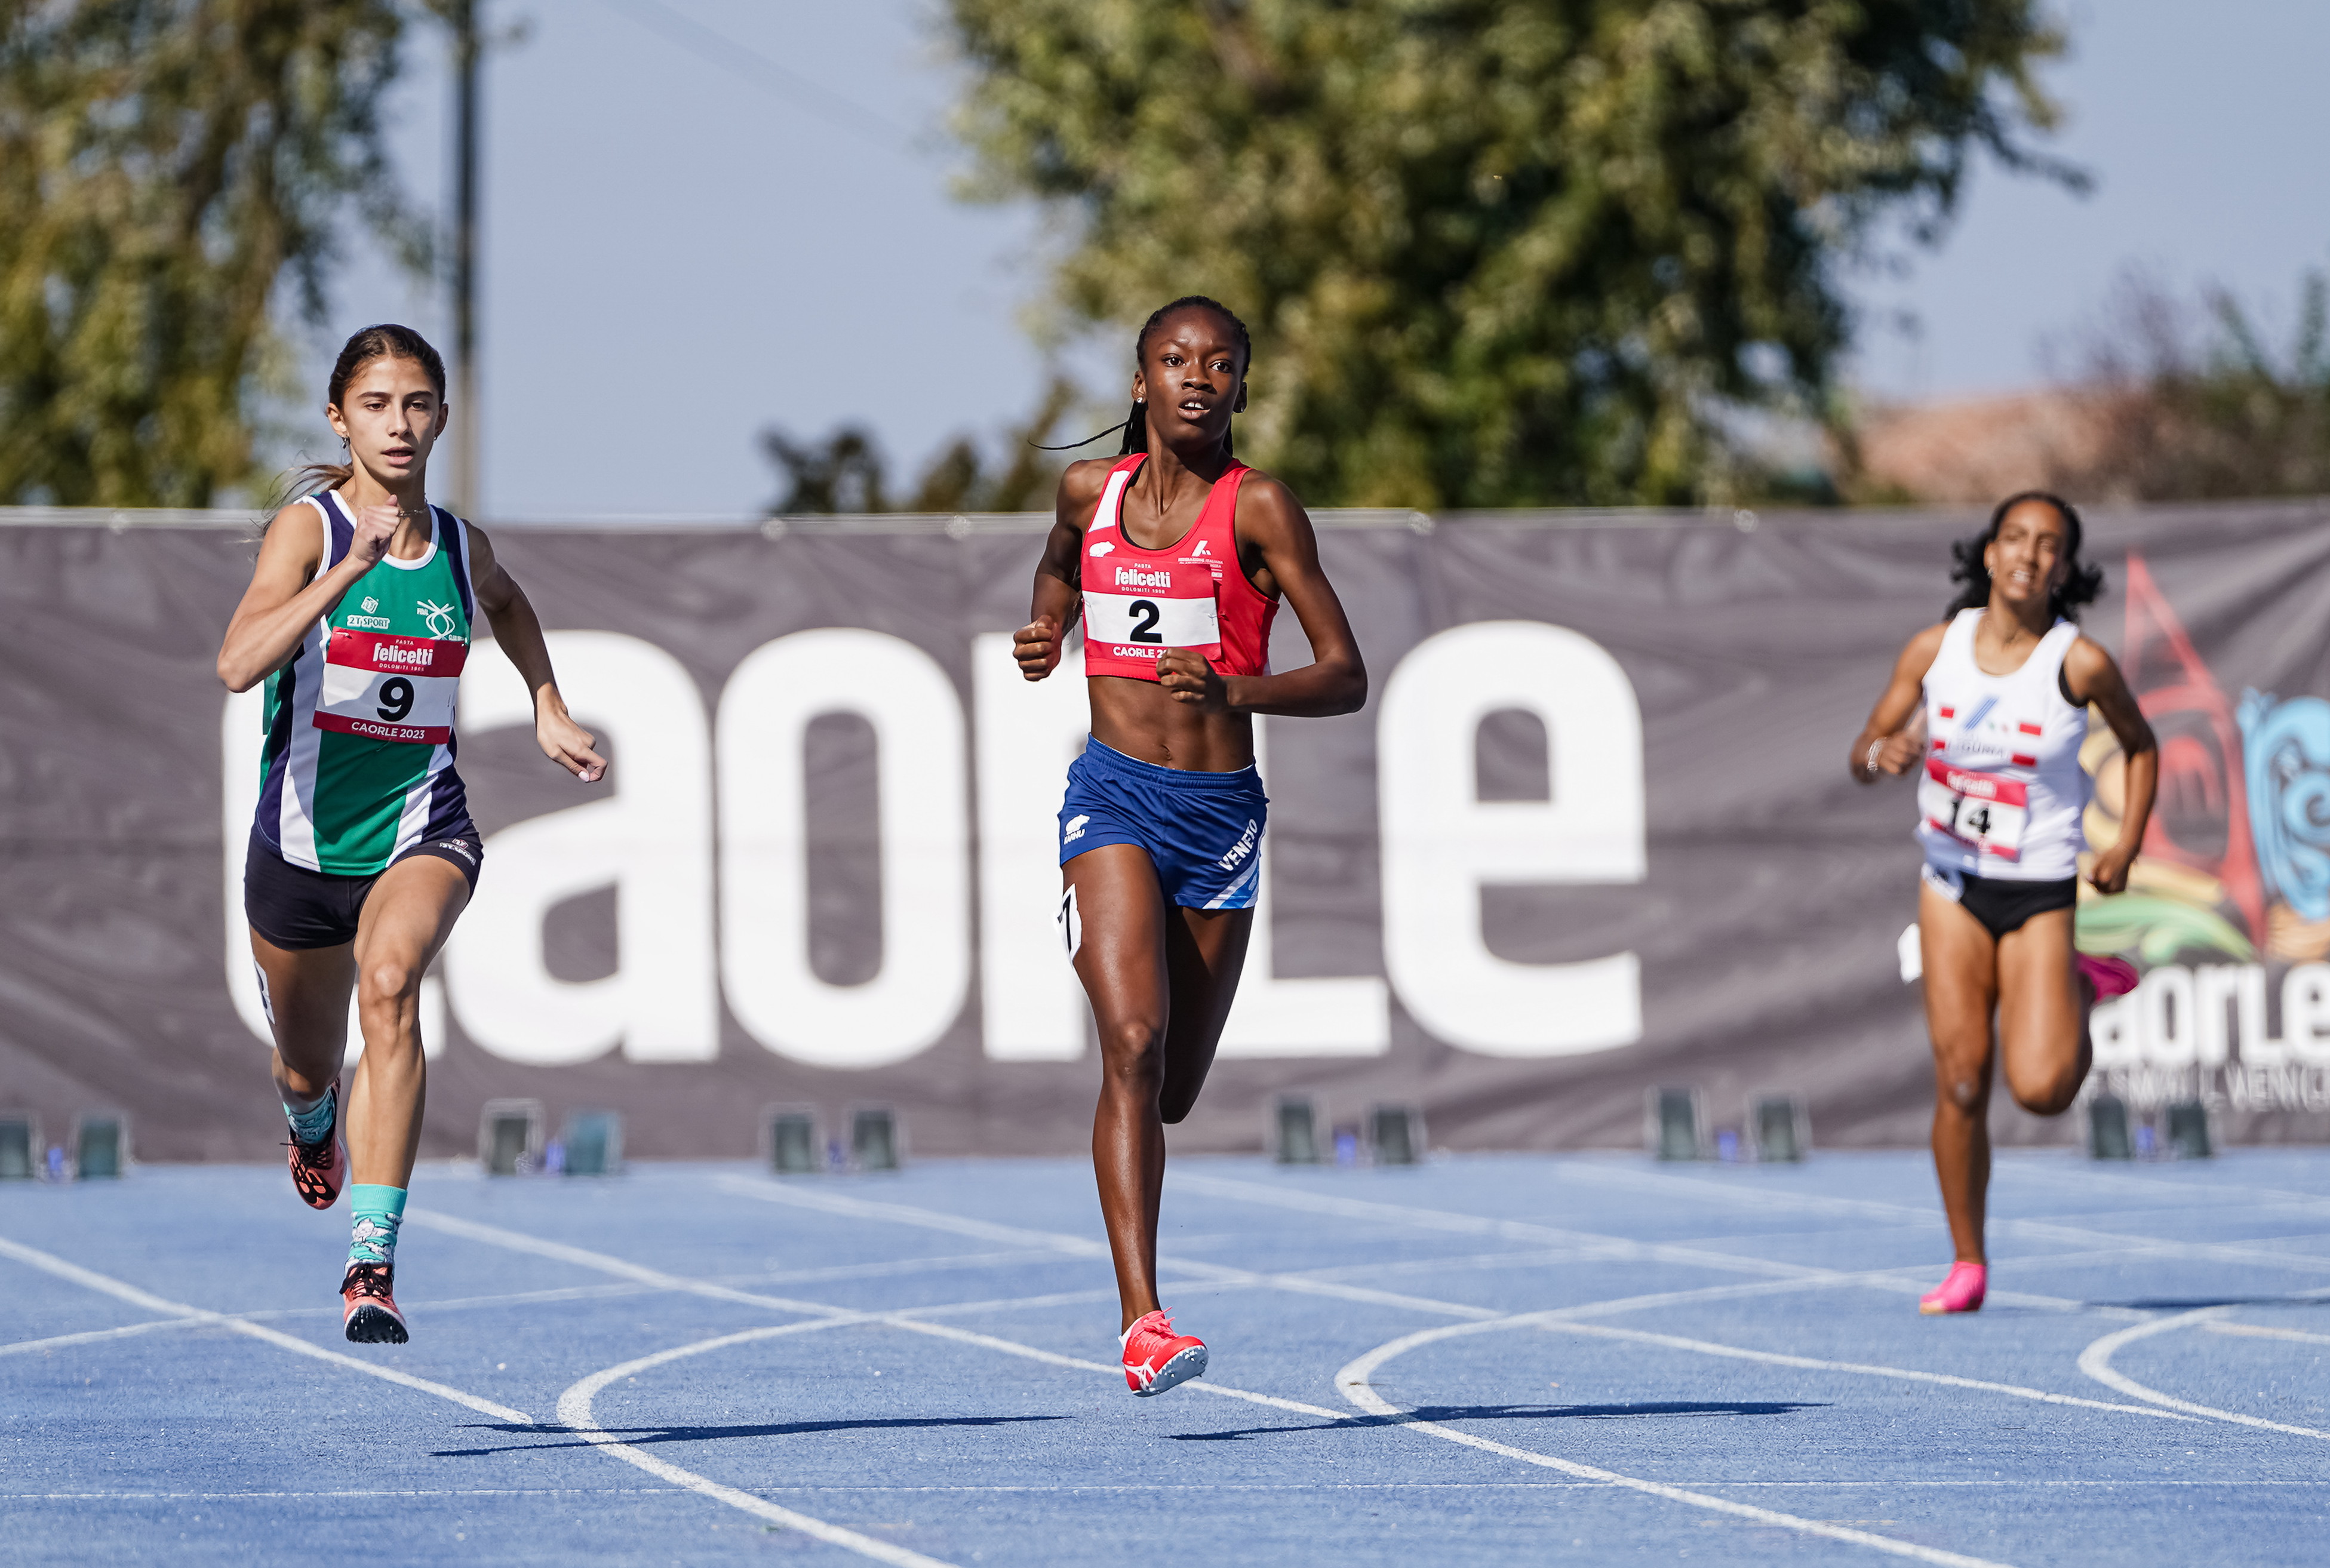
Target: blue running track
<point>1483,1360</point>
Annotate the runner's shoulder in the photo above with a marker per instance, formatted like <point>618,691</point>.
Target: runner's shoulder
<point>1267,504</point>
<point>292,530</point>
<point>1082,481</point>
<point>1921,650</point>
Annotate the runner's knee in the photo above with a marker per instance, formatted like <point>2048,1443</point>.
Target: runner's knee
<point>387,980</point>
<point>2045,1092</point>
<point>1132,1056</point>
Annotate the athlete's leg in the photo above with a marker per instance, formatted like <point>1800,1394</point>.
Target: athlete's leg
<point>1205,953</point>
<point>308,997</point>
<point>406,919</point>
<point>1961,963</point>
<point>1121,962</point>
<point>2042,1014</point>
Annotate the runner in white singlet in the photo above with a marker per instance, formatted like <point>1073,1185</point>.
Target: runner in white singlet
<point>1989,710</point>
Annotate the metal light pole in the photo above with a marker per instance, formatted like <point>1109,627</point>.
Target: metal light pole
<point>469,473</point>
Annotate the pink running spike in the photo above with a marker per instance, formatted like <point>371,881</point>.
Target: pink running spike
<point>1156,1358</point>
<point>2109,976</point>
<point>1962,1291</point>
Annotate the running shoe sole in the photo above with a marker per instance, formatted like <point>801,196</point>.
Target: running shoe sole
<point>375,1325</point>
<point>1177,1370</point>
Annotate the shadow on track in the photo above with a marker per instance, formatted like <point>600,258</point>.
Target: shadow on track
<point>1448,1412</point>
<point>640,1436</point>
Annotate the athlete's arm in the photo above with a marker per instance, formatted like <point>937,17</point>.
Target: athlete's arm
<point>282,602</point>
<point>1273,523</point>
<point>519,632</point>
<point>1059,574</point>
<point>2089,676</point>
<point>1889,742</point>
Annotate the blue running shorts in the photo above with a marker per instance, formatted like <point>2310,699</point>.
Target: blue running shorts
<point>1203,831</point>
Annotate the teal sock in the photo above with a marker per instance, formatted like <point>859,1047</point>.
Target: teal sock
<point>378,1211</point>
<point>310,1125</point>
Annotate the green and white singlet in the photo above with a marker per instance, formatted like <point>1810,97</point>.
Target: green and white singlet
<point>359,752</point>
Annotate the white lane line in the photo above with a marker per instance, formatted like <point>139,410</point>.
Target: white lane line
<point>1908,1375</point>
<point>1588,1244</point>
<point>50,1263</point>
<point>1492,1317</point>
<point>574,1412</point>
<point>90,1336</point>
<point>1999,1484</point>
<point>2033,1230</point>
<point>2260,1331</point>
<point>2097,1358</point>
<point>908,1318</point>
<point>1352,1381</point>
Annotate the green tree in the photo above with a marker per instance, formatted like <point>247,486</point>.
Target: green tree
<point>165,165</point>
<point>1496,252</point>
<point>2191,404</point>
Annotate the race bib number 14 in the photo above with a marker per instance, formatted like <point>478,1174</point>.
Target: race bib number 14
<point>1981,810</point>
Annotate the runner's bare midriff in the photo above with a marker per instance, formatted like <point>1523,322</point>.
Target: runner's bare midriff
<point>1142,719</point>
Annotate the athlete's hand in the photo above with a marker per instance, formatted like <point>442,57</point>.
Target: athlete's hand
<point>567,743</point>
<point>2109,872</point>
<point>1899,753</point>
<point>1037,646</point>
<point>1184,674</point>
<point>375,526</point>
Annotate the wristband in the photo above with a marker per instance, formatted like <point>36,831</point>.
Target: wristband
<point>1869,763</point>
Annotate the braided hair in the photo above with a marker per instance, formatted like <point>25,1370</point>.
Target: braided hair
<point>2081,584</point>
<point>1135,425</point>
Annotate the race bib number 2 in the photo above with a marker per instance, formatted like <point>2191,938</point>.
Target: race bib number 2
<point>390,688</point>
<point>1132,626</point>
<point>1981,810</point>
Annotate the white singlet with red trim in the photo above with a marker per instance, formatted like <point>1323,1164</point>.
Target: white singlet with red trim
<point>2003,790</point>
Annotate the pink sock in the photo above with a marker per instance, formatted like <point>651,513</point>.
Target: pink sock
<point>1962,1291</point>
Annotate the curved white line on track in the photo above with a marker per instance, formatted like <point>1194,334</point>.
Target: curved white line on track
<point>1864,1369</point>
<point>574,1412</point>
<point>2097,1358</point>
<point>50,1263</point>
<point>1352,1382</point>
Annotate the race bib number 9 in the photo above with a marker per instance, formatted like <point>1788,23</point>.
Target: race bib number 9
<point>1130,626</point>
<point>1981,810</point>
<point>390,688</point>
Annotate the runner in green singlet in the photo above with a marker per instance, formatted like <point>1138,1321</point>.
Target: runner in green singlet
<point>362,855</point>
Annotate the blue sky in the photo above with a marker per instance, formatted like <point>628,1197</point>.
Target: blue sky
<point>703,217</point>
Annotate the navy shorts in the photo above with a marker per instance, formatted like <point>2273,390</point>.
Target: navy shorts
<point>1203,831</point>
<point>293,907</point>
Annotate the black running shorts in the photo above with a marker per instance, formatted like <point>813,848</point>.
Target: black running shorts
<point>295,908</point>
<point>2003,905</point>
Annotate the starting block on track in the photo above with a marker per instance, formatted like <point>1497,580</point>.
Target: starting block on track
<point>1675,1125</point>
<point>1296,1129</point>
<point>874,1141</point>
<point>509,1136</point>
<point>100,1146</point>
<point>20,1146</point>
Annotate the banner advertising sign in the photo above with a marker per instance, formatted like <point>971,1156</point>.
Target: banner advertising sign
<point>1593,834</point>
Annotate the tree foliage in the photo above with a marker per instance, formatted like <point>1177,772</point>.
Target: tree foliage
<point>847,471</point>
<point>163,165</point>
<point>2193,404</point>
<point>1495,252</point>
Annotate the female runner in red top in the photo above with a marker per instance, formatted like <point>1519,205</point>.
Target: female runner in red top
<point>1177,555</point>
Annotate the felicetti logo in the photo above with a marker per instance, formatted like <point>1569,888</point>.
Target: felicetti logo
<point>1135,577</point>
<point>2228,908</point>
<point>388,653</point>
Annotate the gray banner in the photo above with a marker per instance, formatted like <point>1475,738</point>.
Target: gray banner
<point>1592,833</point>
